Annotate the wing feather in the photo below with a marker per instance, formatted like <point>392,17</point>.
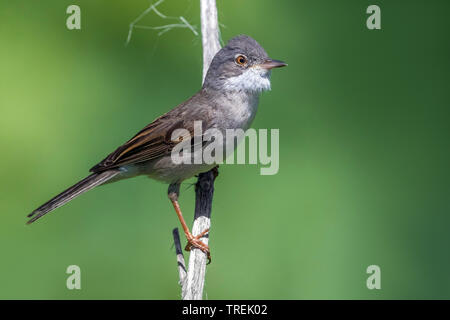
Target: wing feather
<point>155,140</point>
<point>150,143</point>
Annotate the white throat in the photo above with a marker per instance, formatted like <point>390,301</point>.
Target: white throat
<point>254,79</point>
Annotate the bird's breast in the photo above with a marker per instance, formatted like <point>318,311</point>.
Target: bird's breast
<point>238,111</point>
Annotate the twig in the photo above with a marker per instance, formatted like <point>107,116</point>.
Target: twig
<point>193,283</point>
<point>180,257</point>
<point>153,7</point>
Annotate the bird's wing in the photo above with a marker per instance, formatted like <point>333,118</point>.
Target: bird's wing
<point>150,143</point>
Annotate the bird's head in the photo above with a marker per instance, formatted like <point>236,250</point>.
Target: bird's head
<point>242,65</point>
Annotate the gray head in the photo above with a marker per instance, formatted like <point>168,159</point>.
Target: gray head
<point>242,65</point>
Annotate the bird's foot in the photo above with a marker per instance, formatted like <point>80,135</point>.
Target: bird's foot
<point>195,242</point>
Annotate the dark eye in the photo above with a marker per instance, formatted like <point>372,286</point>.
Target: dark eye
<point>241,60</point>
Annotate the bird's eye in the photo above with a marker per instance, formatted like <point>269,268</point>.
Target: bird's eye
<point>241,60</point>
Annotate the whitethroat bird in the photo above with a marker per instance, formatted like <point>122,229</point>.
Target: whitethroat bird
<point>229,98</point>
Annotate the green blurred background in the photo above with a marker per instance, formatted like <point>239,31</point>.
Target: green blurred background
<point>364,158</point>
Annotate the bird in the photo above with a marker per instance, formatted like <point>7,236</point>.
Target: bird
<point>228,99</point>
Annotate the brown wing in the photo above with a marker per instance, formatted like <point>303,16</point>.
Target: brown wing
<point>154,140</point>
<point>151,142</point>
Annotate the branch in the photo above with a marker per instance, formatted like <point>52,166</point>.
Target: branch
<point>210,32</point>
<point>193,283</point>
<point>204,189</point>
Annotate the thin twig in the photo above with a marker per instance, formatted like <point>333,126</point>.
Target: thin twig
<point>180,257</point>
<point>153,8</point>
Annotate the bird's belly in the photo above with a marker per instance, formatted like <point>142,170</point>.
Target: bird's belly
<point>165,170</point>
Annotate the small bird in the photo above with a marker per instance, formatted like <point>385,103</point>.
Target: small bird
<point>228,99</point>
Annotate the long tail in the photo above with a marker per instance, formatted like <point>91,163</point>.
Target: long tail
<point>74,191</point>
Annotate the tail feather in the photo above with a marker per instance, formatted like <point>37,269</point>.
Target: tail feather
<point>84,185</point>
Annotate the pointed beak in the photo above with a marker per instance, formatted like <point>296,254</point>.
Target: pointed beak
<point>270,64</point>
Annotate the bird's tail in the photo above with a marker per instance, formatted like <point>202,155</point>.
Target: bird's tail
<point>74,191</point>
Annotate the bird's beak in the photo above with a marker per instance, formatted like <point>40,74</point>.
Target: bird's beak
<point>270,64</point>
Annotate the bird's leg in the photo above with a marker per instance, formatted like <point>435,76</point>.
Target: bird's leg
<point>193,241</point>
